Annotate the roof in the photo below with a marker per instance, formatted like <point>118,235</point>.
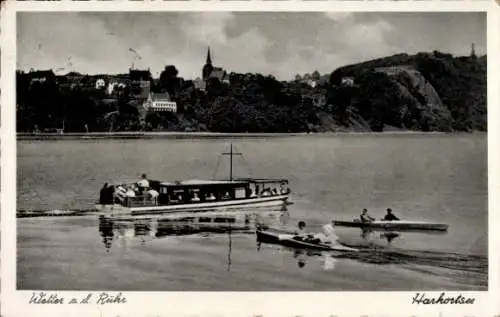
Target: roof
<point>263,180</point>
<point>218,73</point>
<point>135,74</point>
<point>199,182</point>
<point>144,92</point>
<point>160,96</point>
<point>41,73</point>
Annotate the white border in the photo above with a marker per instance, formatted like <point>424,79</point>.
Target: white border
<point>14,303</point>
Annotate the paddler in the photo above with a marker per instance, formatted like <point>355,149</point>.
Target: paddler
<point>328,235</point>
<point>301,234</point>
<point>390,216</point>
<point>365,217</point>
<point>301,225</point>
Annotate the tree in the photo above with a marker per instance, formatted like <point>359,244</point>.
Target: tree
<point>315,75</point>
<point>169,81</point>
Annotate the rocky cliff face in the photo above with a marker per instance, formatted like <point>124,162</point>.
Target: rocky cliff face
<point>422,99</point>
<point>428,92</point>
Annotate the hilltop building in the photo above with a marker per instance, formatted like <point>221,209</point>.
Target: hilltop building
<point>41,76</point>
<point>209,71</point>
<point>473,51</point>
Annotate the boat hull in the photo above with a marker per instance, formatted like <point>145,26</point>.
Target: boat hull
<point>394,225</point>
<point>289,241</point>
<point>269,201</point>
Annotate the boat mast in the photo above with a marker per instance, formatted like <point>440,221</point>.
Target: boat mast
<point>231,153</point>
<point>231,163</point>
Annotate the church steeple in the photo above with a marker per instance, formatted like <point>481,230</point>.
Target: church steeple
<point>208,68</point>
<point>209,59</point>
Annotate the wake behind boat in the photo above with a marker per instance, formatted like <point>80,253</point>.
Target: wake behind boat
<point>154,196</point>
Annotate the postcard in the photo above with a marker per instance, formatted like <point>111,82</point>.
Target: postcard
<point>250,158</point>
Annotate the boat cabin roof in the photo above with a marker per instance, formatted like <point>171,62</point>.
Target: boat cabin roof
<point>264,180</point>
<point>199,182</point>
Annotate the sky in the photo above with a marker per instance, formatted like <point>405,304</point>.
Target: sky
<point>278,43</point>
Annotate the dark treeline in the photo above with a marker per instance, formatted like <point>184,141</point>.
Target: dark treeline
<point>423,92</point>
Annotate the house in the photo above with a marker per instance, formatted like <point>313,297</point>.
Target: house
<point>115,84</point>
<point>219,73</point>
<point>100,83</point>
<point>41,76</point>
<point>139,75</point>
<point>160,102</point>
<point>199,83</point>
<point>347,81</point>
<point>312,83</point>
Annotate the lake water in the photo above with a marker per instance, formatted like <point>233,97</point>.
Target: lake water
<point>438,178</point>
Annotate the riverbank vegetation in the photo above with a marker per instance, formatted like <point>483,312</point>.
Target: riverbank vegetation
<point>422,92</point>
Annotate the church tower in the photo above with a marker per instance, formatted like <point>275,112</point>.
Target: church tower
<point>208,68</point>
<point>209,58</point>
<point>473,51</point>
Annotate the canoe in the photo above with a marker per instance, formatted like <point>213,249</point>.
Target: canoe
<point>293,241</point>
<point>394,225</point>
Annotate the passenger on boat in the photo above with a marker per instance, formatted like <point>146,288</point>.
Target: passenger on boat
<point>226,196</point>
<point>153,194</point>
<point>365,217</point>
<point>121,190</point>
<point>143,183</point>
<point>130,192</point>
<point>195,197</point>
<point>266,192</point>
<point>253,194</point>
<point>104,195</point>
<point>210,197</point>
<point>120,193</point>
<point>390,216</point>
<point>111,193</point>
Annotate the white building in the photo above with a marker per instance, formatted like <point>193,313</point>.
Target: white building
<point>160,102</point>
<point>199,83</point>
<point>100,83</point>
<point>347,81</point>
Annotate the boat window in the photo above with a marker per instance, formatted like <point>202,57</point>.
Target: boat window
<point>210,197</point>
<point>240,193</point>
<point>194,195</point>
<point>163,190</point>
<point>177,195</point>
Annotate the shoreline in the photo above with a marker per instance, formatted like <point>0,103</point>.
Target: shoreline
<point>20,136</point>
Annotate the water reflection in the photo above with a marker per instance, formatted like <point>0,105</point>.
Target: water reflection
<point>329,263</point>
<point>106,231</point>
<point>368,234</point>
<point>126,230</point>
